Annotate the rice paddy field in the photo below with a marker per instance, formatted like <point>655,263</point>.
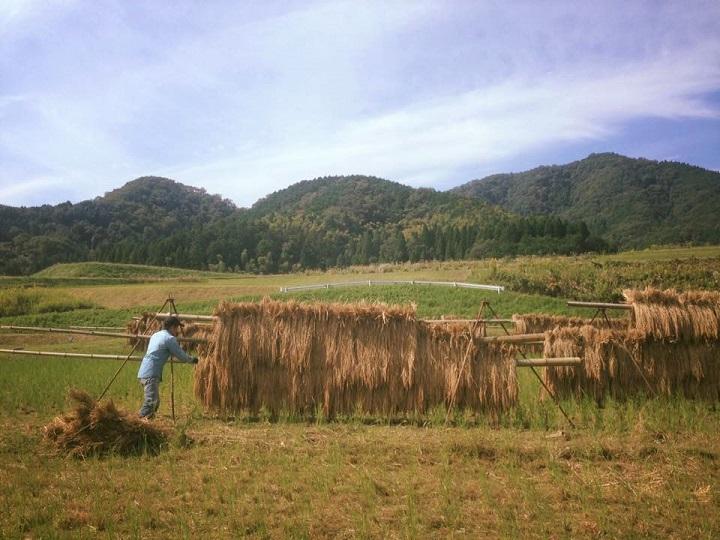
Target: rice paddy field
<point>641,467</point>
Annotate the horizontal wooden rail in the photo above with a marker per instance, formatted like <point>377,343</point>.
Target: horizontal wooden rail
<point>516,338</point>
<point>546,362</point>
<point>192,317</point>
<point>532,362</point>
<point>91,333</point>
<point>468,321</point>
<point>185,316</point>
<point>96,327</point>
<point>71,355</point>
<point>601,305</point>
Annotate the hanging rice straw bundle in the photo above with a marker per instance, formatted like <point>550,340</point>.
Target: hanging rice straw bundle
<point>471,374</point>
<point>671,316</point>
<point>691,370</point>
<point>93,428</point>
<point>535,323</point>
<point>342,358</point>
<point>624,364</point>
<point>146,326</point>
<point>610,366</point>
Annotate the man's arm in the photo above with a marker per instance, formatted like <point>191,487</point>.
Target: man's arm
<point>176,350</point>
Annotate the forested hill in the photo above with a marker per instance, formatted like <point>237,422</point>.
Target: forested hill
<point>334,221</point>
<point>125,225</point>
<point>629,202</point>
<point>360,201</point>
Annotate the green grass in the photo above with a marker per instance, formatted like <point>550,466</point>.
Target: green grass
<point>598,278</point>
<point>645,468</point>
<point>434,301</point>
<point>118,271</point>
<point>15,302</point>
<point>666,253</point>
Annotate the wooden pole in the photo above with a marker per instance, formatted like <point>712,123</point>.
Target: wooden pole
<point>171,301</point>
<point>515,338</point>
<point>97,327</point>
<point>137,342</point>
<point>468,321</point>
<point>546,362</point>
<point>186,316</point>
<point>72,355</point>
<point>537,376</point>
<point>603,305</point>
<point>91,333</point>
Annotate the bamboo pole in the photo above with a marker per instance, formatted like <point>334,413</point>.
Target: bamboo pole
<point>72,355</point>
<point>186,316</point>
<point>468,321</point>
<point>96,327</point>
<point>515,338</point>
<point>545,362</point>
<point>194,317</point>
<point>600,305</point>
<point>91,333</point>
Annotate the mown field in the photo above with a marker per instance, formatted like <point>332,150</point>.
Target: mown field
<point>647,468</point>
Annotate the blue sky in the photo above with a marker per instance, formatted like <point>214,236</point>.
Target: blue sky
<point>245,98</point>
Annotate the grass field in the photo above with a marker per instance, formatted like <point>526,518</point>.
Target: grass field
<point>639,469</point>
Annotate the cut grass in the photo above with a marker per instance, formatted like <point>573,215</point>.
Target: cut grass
<point>645,468</point>
<point>295,481</point>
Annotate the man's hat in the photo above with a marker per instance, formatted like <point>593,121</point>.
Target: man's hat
<point>172,321</point>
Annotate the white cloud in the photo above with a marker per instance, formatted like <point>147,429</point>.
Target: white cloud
<point>244,99</point>
<point>423,143</point>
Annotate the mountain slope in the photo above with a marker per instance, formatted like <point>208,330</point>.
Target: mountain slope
<point>332,221</point>
<point>121,226</point>
<point>630,202</point>
<point>365,200</point>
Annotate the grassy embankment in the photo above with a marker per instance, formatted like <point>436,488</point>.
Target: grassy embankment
<point>645,468</point>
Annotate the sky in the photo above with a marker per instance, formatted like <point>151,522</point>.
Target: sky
<point>246,98</point>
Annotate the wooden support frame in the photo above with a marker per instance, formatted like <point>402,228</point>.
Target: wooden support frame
<point>486,305</point>
<point>600,309</point>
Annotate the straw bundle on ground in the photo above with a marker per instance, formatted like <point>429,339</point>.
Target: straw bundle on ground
<point>342,358</point>
<point>672,316</point>
<point>93,428</point>
<point>146,326</point>
<point>623,364</point>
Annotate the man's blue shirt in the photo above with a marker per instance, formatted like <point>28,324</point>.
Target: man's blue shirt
<point>162,345</point>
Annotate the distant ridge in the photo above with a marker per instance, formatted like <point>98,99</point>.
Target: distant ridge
<point>341,220</point>
<point>322,223</point>
<point>630,202</point>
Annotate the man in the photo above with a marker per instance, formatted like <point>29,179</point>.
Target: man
<point>163,344</point>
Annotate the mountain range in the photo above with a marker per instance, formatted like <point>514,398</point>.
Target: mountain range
<point>602,202</point>
<point>629,202</point>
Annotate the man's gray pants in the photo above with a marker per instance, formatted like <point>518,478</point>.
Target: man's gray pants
<point>152,397</point>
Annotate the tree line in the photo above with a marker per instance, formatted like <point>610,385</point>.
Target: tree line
<point>160,222</point>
